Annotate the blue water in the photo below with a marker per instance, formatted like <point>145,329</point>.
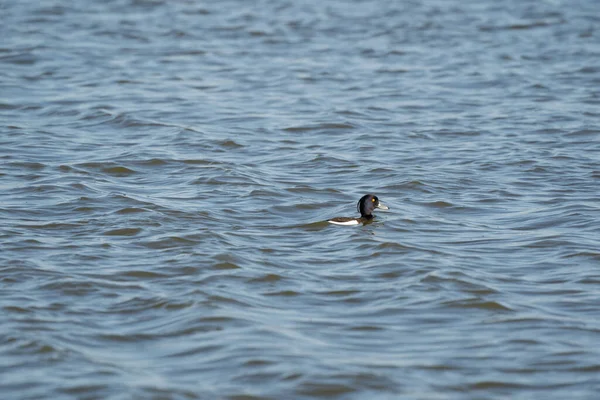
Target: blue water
<point>167,169</point>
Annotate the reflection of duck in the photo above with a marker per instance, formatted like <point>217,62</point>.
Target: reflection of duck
<point>365,207</point>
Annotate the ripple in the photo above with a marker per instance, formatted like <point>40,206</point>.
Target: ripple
<point>123,232</point>
<point>168,242</point>
<point>478,303</point>
<point>319,389</point>
<point>268,278</point>
<point>284,293</point>
<point>131,210</point>
<point>141,274</point>
<point>318,127</point>
<point>225,266</point>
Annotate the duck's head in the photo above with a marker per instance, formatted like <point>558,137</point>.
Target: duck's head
<point>368,203</point>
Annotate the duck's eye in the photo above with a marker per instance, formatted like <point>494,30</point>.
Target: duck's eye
<point>373,200</point>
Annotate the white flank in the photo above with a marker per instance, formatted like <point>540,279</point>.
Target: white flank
<point>346,223</point>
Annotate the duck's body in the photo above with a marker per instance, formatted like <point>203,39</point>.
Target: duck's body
<point>348,220</point>
<point>365,206</point>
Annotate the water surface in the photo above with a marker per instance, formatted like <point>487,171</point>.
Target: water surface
<point>166,168</point>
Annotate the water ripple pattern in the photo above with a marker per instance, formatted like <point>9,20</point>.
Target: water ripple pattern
<point>167,168</point>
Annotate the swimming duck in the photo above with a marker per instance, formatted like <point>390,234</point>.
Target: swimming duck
<point>365,207</point>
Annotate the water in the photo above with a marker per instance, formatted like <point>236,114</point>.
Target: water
<point>167,167</point>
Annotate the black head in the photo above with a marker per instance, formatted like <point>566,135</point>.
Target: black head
<point>367,204</point>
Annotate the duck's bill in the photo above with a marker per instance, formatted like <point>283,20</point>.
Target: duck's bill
<point>382,206</point>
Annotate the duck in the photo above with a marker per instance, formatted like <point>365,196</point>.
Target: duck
<point>365,207</point>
